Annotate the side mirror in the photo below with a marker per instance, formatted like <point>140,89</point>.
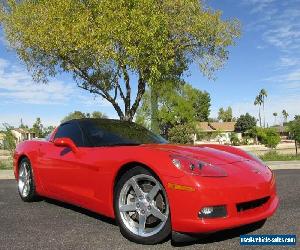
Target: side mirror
<point>66,142</point>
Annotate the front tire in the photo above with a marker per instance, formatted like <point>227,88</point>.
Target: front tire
<point>26,184</point>
<point>141,207</point>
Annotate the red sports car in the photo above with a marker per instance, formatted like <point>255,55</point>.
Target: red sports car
<point>123,171</point>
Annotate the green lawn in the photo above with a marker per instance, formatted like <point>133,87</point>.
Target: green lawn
<point>273,156</point>
<point>6,164</point>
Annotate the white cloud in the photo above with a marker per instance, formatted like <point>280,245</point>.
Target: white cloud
<point>278,23</point>
<point>17,86</point>
<point>285,79</point>
<point>258,5</point>
<point>286,61</point>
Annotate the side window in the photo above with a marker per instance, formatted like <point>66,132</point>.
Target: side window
<point>72,131</point>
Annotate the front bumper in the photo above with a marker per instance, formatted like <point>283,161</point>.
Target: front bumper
<point>185,205</point>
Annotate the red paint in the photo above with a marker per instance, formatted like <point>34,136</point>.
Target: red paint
<point>86,176</point>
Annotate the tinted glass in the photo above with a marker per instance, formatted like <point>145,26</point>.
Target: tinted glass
<point>72,131</point>
<point>113,132</point>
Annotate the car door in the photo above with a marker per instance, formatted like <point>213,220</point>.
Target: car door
<point>65,174</point>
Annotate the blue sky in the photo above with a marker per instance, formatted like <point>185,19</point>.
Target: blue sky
<point>266,56</point>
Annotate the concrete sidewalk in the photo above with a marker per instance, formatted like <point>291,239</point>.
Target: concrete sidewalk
<point>274,165</point>
<point>6,174</point>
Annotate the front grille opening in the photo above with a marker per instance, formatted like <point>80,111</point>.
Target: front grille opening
<point>243,206</point>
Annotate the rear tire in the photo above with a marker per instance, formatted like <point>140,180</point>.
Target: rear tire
<point>26,184</point>
<point>141,207</point>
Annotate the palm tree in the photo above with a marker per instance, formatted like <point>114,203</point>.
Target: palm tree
<point>285,115</point>
<point>263,93</point>
<point>258,101</point>
<point>275,116</point>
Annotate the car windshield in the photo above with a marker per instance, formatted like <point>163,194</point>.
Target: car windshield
<point>118,133</point>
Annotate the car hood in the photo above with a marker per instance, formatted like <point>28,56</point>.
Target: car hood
<point>241,170</point>
<point>203,153</point>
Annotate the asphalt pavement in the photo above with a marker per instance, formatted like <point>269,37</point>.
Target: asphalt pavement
<point>48,224</point>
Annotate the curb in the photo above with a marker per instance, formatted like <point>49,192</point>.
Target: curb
<point>7,174</point>
<point>276,165</point>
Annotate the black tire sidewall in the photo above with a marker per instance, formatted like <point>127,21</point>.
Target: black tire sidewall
<point>151,240</point>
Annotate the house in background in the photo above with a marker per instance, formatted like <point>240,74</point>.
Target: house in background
<point>218,132</point>
<point>22,134</point>
<point>283,131</point>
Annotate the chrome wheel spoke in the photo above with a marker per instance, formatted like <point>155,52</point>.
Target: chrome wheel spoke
<point>25,169</point>
<point>128,208</point>
<point>158,214</point>
<point>140,197</point>
<point>24,180</point>
<point>138,191</point>
<point>142,223</point>
<point>151,195</point>
<point>24,189</point>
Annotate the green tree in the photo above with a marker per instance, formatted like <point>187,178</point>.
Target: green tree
<point>269,137</point>
<point>260,101</point>
<point>244,123</point>
<point>294,129</point>
<point>182,134</point>
<point>234,139</point>
<point>180,105</point>
<point>275,114</point>
<point>9,139</point>
<point>263,93</point>
<point>80,115</point>
<point>98,114</point>
<point>73,115</point>
<point>110,45</point>
<point>37,128</point>
<point>47,130</point>
<point>225,115</point>
<point>285,115</point>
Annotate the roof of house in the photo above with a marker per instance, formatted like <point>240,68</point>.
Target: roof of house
<point>280,128</point>
<point>21,130</point>
<point>204,126</point>
<point>216,126</point>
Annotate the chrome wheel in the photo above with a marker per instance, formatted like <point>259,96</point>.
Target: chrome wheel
<point>24,181</point>
<point>143,205</point>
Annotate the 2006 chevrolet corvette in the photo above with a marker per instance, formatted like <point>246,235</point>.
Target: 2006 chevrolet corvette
<point>123,171</point>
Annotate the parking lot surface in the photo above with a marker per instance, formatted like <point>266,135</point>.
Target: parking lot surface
<point>48,224</point>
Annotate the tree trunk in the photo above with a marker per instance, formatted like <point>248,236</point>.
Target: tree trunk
<point>154,111</point>
<point>264,114</point>
<point>259,116</point>
<point>296,147</point>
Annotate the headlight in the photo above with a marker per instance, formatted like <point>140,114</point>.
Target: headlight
<point>196,167</point>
